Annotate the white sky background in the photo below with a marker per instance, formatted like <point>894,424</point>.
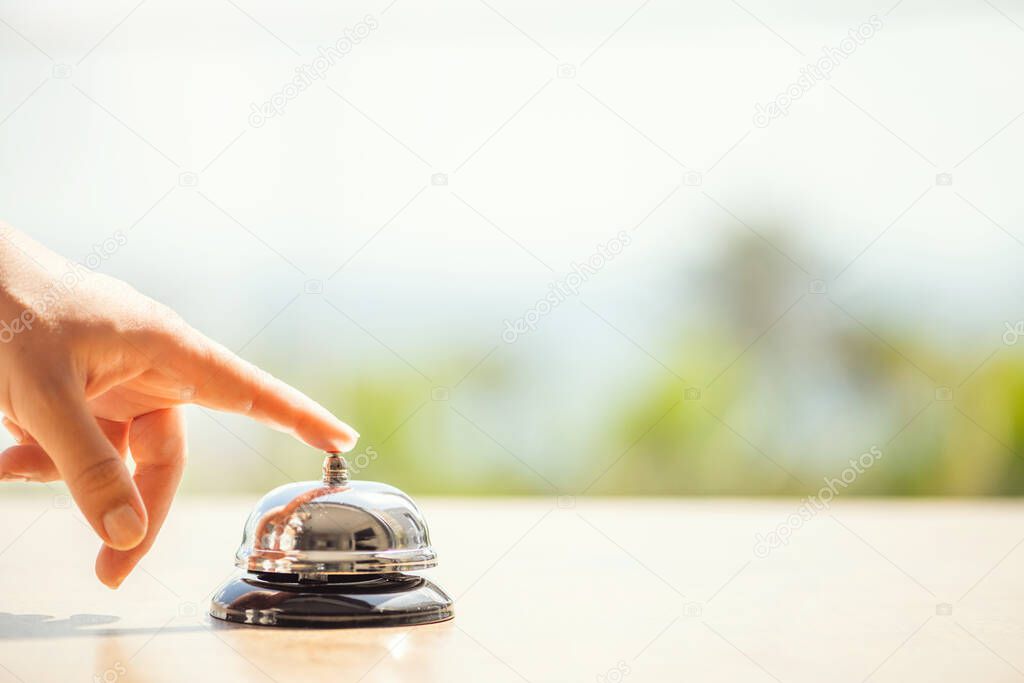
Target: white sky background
<point>678,81</point>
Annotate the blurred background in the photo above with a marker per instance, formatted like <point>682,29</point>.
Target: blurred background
<point>636,248</point>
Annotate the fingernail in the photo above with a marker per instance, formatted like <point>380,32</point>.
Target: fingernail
<point>13,477</point>
<point>124,527</point>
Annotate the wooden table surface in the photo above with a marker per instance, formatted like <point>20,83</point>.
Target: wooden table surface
<point>555,590</point>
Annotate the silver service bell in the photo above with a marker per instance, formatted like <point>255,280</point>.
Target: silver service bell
<point>333,553</point>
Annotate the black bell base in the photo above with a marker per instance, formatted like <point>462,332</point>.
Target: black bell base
<point>340,601</point>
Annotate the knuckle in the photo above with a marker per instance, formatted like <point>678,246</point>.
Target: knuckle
<point>151,321</point>
<point>166,317</point>
<point>259,381</point>
<point>102,475</point>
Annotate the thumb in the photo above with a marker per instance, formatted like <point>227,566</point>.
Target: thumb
<point>92,468</point>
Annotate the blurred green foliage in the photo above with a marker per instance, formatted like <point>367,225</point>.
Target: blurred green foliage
<point>670,441</point>
<point>785,385</point>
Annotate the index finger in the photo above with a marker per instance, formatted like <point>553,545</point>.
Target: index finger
<point>224,381</point>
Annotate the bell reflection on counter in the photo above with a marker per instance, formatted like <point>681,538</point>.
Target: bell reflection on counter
<point>333,553</point>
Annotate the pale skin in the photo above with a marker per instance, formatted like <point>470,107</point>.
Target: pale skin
<point>98,372</point>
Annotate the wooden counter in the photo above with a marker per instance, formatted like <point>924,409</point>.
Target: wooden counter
<point>554,590</point>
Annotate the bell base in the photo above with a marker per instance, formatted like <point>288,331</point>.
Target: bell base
<point>334,601</point>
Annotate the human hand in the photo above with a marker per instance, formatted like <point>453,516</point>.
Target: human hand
<point>91,370</point>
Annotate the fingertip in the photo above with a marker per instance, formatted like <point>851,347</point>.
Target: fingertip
<point>109,569</point>
<point>339,442</point>
<point>16,432</point>
<point>26,462</point>
<point>323,431</point>
<point>346,441</point>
